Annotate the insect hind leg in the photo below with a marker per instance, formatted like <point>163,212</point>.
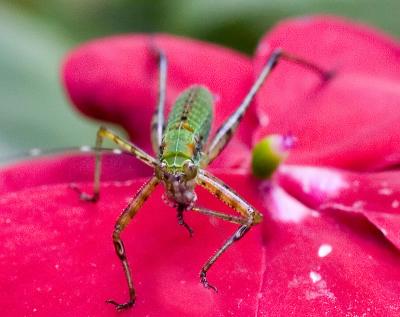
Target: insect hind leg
<point>227,129</point>
<point>249,216</point>
<point>122,222</point>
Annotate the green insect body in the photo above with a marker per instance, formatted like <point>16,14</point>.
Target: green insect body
<point>188,127</point>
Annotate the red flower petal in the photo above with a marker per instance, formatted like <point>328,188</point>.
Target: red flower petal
<point>351,120</point>
<point>374,195</point>
<point>57,256</point>
<point>319,264</point>
<point>115,79</point>
<point>71,168</point>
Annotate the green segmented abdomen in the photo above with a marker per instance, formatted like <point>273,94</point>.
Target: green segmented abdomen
<point>188,126</point>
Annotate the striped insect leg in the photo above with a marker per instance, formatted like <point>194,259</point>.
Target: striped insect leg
<point>228,128</point>
<point>126,146</point>
<point>158,120</point>
<point>226,217</point>
<point>122,222</point>
<point>250,216</point>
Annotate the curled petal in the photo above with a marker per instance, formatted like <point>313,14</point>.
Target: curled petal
<point>116,79</point>
<point>347,121</point>
<point>323,264</point>
<point>376,196</point>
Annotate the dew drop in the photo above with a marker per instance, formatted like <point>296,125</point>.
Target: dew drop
<point>395,203</point>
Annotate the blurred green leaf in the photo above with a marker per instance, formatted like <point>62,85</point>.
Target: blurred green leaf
<point>33,108</point>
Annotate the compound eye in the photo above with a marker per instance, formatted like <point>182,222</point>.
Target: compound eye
<point>190,169</point>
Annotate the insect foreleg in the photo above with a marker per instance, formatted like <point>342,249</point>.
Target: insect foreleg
<point>120,225</point>
<point>125,145</point>
<point>227,129</point>
<point>227,195</point>
<point>157,123</point>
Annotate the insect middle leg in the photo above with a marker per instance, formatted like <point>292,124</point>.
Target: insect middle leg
<point>227,129</point>
<point>125,145</point>
<point>123,220</point>
<point>249,216</point>
<point>226,217</point>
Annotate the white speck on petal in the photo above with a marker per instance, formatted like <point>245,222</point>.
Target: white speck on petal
<point>385,191</point>
<point>395,203</point>
<point>315,277</point>
<point>324,250</point>
<point>359,204</point>
<point>117,151</point>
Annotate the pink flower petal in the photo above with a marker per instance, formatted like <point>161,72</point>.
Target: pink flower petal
<point>374,195</point>
<point>57,256</point>
<point>115,79</point>
<point>349,121</point>
<point>326,265</point>
<point>62,168</point>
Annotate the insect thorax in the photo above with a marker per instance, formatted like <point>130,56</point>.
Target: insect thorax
<point>188,127</point>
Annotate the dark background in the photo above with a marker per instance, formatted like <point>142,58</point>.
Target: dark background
<point>35,35</point>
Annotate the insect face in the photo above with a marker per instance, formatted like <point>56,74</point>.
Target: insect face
<point>179,183</point>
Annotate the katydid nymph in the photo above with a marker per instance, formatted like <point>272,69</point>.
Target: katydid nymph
<point>183,153</point>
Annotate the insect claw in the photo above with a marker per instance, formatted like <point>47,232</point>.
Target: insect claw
<point>90,198</point>
<point>203,280</point>
<point>123,306</point>
<point>84,196</point>
<point>182,222</point>
<point>189,229</point>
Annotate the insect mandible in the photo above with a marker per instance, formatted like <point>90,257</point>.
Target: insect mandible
<point>183,153</point>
